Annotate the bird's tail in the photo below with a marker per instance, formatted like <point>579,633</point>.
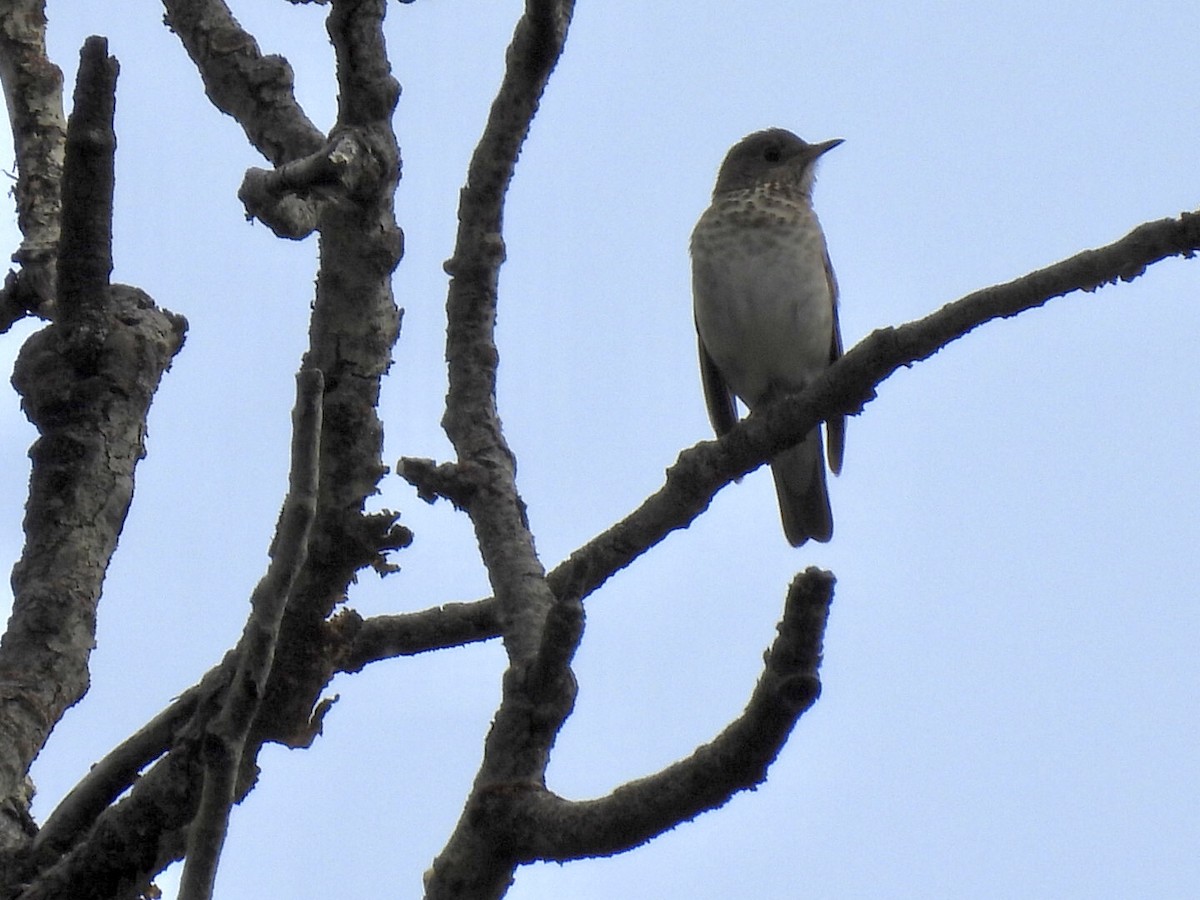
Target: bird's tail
<point>803,497</point>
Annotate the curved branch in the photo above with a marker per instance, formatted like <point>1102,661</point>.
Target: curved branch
<point>531,823</point>
<point>131,841</point>
<point>161,796</point>
<point>541,632</point>
<point>111,777</point>
<point>254,89</point>
<point>119,769</point>
<point>120,846</point>
<point>161,803</point>
<point>551,828</point>
<point>471,420</point>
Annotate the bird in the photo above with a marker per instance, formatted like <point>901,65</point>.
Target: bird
<point>765,302</point>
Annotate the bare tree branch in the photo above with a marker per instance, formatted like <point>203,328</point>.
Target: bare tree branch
<point>85,244</point>
<point>471,420</point>
<point>385,637</point>
<point>254,89</point>
<point>354,325</point>
<point>538,689</point>
<point>131,841</point>
<point>226,735</point>
<point>33,89</point>
<point>289,199</point>
<point>845,387</point>
<point>550,828</point>
<point>433,481</point>
<point>137,837</point>
<point>546,827</point>
<point>221,708</point>
<point>113,775</point>
<point>702,470</point>
<point>453,624</point>
<point>86,383</point>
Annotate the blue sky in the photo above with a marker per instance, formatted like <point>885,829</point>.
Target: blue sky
<point>1010,680</point>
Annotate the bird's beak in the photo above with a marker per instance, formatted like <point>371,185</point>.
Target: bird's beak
<point>808,155</point>
<point>824,147</point>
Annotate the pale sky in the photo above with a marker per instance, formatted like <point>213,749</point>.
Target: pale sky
<point>1011,678</point>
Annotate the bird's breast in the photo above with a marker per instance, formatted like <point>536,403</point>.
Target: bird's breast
<point>763,295</point>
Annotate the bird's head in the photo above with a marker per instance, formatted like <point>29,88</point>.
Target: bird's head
<point>773,156</point>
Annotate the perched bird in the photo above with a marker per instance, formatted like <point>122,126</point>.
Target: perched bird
<point>766,308</point>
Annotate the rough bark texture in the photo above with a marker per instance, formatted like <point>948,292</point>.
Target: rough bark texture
<point>33,90</point>
<point>254,89</point>
<point>540,631</point>
<point>87,382</point>
<point>355,323</point>
<point>224,740</point>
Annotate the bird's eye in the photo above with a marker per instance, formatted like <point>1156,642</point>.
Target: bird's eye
<point>772,154</point>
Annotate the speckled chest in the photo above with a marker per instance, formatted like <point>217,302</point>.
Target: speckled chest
<point>763,293</point>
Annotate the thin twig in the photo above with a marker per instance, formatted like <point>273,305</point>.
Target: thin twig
<point>407,634</point>
<point>226,737</point>
<point>111,777</point>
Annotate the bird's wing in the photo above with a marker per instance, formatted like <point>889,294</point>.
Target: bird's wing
<point>717,397</point>
<point>835,427</point>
